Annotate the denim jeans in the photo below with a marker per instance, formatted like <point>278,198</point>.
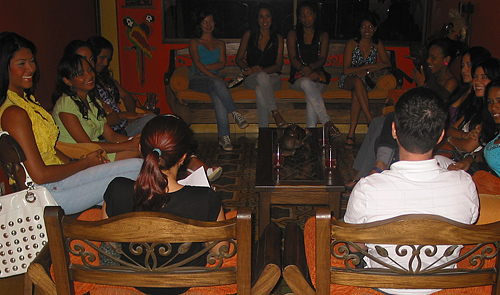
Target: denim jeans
<point>264,84</point>
<point>220,96</point>
<point>86,188</point>
<point>315,105</point>
<point>136,127</point>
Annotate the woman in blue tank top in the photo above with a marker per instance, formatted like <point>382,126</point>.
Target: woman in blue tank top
<point>263,62</point>
<point>209,56</point>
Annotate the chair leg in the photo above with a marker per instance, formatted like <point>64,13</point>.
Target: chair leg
<point>28,285</point>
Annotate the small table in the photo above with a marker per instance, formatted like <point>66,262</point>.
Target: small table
<point>303,180</point>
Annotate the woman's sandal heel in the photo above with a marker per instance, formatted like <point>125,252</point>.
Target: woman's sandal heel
<point>348,145</point>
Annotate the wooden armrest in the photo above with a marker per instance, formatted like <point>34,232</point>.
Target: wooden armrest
<point>171,67</point>
<point>266,260</point>
<point>295,269</point>
<point>39,272</point>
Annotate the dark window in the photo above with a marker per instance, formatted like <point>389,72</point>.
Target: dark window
<point>399,20</point>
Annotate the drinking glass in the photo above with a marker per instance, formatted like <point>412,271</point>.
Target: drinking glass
<point>330,157</point>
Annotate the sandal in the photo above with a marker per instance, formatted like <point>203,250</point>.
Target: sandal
<point>333,130</point>
<point>348,145</point>
<point>280,122</point>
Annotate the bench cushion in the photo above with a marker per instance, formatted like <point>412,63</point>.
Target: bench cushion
<point>180,82</point>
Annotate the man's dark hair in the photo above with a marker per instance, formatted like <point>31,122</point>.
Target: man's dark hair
<point>421,117</point>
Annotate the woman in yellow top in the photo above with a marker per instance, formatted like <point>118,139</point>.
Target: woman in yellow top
<point>76,184</point>
<point>79,114</point>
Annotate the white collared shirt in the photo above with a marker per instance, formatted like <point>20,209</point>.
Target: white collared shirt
<point>413,187</point>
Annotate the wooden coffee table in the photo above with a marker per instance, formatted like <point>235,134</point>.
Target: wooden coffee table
<point>303,180</point>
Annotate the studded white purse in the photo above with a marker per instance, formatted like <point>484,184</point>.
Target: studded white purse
<point>22,227</point>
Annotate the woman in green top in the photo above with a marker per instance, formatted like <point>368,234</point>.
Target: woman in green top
<point>80,116</point>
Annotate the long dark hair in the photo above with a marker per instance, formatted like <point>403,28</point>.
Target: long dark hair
<point>472,107</point>
<point>97,45</point>
<point>477,54</point>
<point>164,141</point>
<point>10,44</point>
<point>255,29</point>
<point>200,17</point>
<point>447,46</point>
<point>300,27</point>
<point>489,128</point>
<point>69,67</point>
<point>372,19</point>
<point>73,46</point>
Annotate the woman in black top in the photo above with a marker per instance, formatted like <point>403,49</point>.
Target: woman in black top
<point>164,142</point>
<point>264,60</point>
<point>308,49</point>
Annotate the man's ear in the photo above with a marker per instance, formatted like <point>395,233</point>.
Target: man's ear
<point>394,133</point>
<point>441,137</point>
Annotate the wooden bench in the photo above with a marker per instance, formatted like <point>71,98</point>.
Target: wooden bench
<point>196,107</point>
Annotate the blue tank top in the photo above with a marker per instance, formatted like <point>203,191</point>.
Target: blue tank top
<point>207,57</point>
<point>492,155</point>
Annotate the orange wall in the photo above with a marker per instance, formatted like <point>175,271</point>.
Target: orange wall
<point>154,67</point>
<point>158,64</point>
<point>50,24</point>
<point>484,27</point>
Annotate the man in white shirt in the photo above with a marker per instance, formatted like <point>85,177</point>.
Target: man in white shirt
<point>416,184</point>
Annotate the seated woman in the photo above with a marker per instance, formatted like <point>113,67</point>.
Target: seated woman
<point>379,147</point>
<point>68,180</point>
<point>360,58</point>
<point>165,141</point>
<point>264,59</point>
<point>112,93</point>
<point>83,49</point>
<point>79,114</point>
<point>465,132</point>
<point>489,157</point>
<point>209,56</point>
<point>307,50</point>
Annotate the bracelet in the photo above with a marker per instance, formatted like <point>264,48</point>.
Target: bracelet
<point>378,170</point>
<point>130,138</point>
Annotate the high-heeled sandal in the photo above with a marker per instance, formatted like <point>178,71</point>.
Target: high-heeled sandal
<point>348,145</point>
<point>333,130</point>
<point>278,119</point>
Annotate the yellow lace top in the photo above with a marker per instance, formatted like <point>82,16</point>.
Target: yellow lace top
<point>44,128</point>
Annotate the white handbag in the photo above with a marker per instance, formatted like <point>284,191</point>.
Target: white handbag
<point>22,226</point>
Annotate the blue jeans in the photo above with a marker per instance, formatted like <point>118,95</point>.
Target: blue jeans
<point>220,96</point>
<point>264,84</point>
<point>86,188</point>
<point>315,105</point>
<point>136,127</point>
<point>367,157</point>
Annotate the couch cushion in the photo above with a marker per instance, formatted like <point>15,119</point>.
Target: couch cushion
<point>241,94</point>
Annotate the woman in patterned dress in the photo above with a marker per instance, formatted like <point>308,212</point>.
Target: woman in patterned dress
<point>360,57</point>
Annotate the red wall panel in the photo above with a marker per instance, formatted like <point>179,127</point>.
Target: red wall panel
<point>50,24</point>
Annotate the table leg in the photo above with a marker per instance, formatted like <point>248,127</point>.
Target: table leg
<point>264,210</point>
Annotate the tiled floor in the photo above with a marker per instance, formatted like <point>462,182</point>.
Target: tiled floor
<point>236,186</point>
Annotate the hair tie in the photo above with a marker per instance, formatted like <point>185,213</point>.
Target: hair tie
<point>158,151</point>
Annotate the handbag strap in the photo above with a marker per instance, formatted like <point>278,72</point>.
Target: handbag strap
<point>30,184</point>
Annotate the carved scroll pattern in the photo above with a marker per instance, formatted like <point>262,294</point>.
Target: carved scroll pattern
<point>475,258</point>
<point>153,253</point>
